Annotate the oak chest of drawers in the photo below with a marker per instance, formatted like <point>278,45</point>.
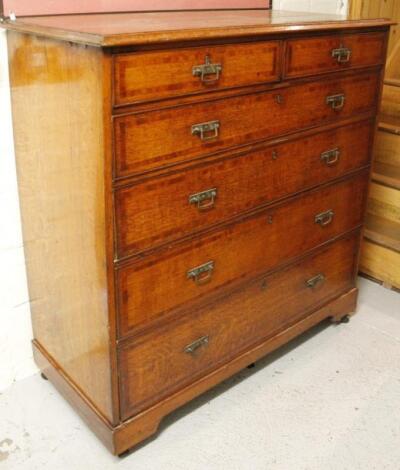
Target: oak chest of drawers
<point>192,190</point>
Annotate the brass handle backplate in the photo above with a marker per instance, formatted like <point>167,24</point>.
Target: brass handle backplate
<point>201,274</point>
<point>330,157</point>
<point>206,130</point>
<point>336,101</point>
<point>192,347</point>
<point>314,281</point>
<point>204,200</point>
<point>342,54</point>
<point>208,72</point>
<point>324,218</point>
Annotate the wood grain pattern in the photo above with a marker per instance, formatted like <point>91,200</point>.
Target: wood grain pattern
<point>380,263</point>
<point>56,99</point>
<point>145,141</point>
<point>313,56</point>
<point>147,76</point>
<point>384,202</point>
<point>157,364</point>
<point>157,211</point>
<point>133,29</point>
<point>258,244</point>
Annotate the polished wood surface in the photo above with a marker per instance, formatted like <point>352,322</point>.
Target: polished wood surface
<point>151,75</point>
<point>157,364</point>
<point>119,29</point>
<point>152,139</point>
<point>151,213</point>
<point>149,240</point>
<point>312,56</point>
<point>55,103</point>
<point>272,228</point>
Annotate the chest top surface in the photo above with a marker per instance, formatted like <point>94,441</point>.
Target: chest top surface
<point>140,28</point>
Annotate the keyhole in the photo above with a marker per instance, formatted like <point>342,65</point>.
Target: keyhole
<point>274,155</point>
<point>270,219</point>
<point>279,99</point>
<point>264,284</point>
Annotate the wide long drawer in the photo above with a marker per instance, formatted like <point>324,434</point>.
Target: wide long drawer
<point>321,54</point>
<point>156,364</point>
<point>146,76</point>
<point>152,139</point>
<point>149,288</point>
<point>163,209</point>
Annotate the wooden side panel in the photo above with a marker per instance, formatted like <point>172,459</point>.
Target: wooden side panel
<point>57,99</point>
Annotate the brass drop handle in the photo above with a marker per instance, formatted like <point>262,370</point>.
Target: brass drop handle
<point>204,200</point>
<point>324,218</point>
<point>341,54</point>
<point>206,130</point>
<point>336,101</point>
<point>192,347</point>
<point>315,281</point>
<point>330,157</point>
<point>201,274</point>
<point>206,70</point>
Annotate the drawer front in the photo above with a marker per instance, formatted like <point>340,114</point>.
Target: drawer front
<point>166,208</point>
<point>153,139</point>
<point>168,359</point>
<point>148,289</point>
<point>147,76</point>
<point>331,53</point>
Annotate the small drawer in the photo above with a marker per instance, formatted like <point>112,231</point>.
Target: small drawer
<point>147,76</point>
<point>166,208</point>
<point>149,140</point>
<point>322,54</point>
<point>157,364</point>
<point>149,289</point>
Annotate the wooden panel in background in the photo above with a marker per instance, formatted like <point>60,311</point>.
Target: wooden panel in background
<point>380,263</point>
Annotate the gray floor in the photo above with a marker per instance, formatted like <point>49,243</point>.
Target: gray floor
<point>329,400</point>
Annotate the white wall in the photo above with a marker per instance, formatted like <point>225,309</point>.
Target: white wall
<point>15,327</point>
<point>317,6</point>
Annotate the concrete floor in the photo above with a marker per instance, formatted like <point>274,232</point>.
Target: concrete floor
<point>329,400</point>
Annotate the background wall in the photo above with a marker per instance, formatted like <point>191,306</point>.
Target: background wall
<point>15,327</point>
<point>317,6</point>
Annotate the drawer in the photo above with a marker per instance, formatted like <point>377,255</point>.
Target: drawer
<point>153,139</point>
<point>150,288</point>
<point>159,363</point>
<point>146,76</point>
<point>163,209</point>
<point>321,54</point>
